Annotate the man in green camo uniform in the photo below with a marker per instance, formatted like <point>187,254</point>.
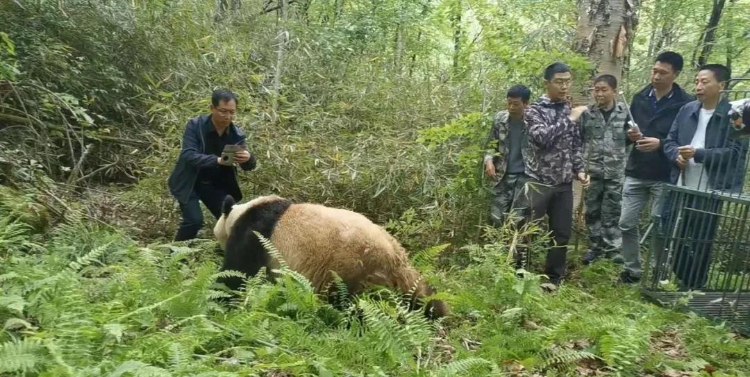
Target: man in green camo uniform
<point>604,135</point>
<point>504,162</point>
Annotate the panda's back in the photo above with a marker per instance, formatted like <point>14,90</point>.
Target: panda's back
<point>314,239</point>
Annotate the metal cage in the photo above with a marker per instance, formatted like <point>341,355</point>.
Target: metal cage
<point>699,250</point>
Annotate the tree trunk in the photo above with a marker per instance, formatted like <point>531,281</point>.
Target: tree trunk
<point>457,33</point>
<point>399,48</point>
<point>283,37</point>
<point>605,29</point>
<point>222,6</point>
<point>425,10</point>
<point>708,38</point>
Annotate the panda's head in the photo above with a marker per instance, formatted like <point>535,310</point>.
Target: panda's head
<point>231,212</point>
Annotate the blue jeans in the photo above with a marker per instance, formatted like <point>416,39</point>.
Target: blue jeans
<point>192,216</point>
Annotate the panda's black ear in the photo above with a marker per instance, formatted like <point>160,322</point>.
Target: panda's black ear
<point>226,207</point>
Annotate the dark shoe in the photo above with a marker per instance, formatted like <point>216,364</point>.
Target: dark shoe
<point>618,259</point>
<point>590,256</point>
<point>627,278</point>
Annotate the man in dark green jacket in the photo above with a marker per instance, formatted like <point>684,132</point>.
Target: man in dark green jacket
<point>200,175</point>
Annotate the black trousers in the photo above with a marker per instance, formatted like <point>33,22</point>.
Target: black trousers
<point>212,197</point>
<point>536,200</point>
<point>694,238</point>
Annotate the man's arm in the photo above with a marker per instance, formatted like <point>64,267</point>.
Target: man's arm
<point>191,148</point>
<point>670,145</point>
<point>541,133</point>
<point>250,164</point>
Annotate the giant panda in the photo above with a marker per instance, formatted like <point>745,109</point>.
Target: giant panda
<point>313,240</point>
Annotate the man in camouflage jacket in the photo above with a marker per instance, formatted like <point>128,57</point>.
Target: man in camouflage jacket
<point>604,128</point>
<point>504,164</point>
<point>553,157</point>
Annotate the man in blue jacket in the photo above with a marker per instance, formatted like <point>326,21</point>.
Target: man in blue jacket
<point>654,109</point>
<point>200,174</point>
<point>704,157</point>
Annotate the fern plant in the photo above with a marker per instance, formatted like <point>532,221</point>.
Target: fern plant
<point>24,356</point>
<point>467,366</point>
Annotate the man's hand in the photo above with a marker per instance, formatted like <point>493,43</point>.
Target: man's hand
<point>489,169</point>
<point>634,135</point>
<point>242,157</point>
<point>576,112</point>
<point>647,144</point>
<point>584,179</point>
<point>686,152</point>
<point>681,162</point>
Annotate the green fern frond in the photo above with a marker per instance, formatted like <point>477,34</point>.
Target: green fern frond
<point>342,291</point>
<point>464,366</point>
<point>139,369</point>
<point>178,357</point>
<point>398,331</point>
<point>623,347</point>
<point>564,357</point>
<point>424,260</point>
<point>90,257</point>
<point>228,274</point>
<point>21,357</point>
<point>299,278</point>
<point>14,303</point>
<point>272,250</point>
<point>9,276</point>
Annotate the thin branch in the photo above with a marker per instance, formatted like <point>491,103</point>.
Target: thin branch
<point>79,164</point>
<point>97,170</point>
<point>269,10</point>
<point>19,119</point>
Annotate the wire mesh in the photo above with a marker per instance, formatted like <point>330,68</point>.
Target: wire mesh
<point>699,253</point>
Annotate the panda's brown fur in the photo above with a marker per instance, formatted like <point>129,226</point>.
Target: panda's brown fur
<point>313,240</point>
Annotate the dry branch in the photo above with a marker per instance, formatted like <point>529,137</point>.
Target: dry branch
<point>19,119</point>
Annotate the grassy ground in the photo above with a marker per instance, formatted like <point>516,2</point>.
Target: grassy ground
<point>83,299</point>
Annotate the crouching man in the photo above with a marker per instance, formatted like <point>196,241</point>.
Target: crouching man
<point>200,174</point>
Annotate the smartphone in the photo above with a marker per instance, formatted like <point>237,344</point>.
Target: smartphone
<point>227,155</point>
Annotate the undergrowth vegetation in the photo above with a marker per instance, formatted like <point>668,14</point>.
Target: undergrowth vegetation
<point>83,299</point>
<point>381,107</point>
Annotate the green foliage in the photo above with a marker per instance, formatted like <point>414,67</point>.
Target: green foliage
<point>94,303</point>
<point>8,67</point>
<point>25,356</point>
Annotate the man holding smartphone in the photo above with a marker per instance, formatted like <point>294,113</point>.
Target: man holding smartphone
<point>201,175</point>
<point>654,109</point>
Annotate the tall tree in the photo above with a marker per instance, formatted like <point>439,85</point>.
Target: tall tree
<point>605,32</point>
<point>455,17</point>
<point>708,37</point>
<point>283,38</point>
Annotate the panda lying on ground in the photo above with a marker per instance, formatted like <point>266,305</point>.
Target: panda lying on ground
<point>314,239</point>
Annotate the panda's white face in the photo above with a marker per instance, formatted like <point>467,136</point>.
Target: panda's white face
<point>225,224</point>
